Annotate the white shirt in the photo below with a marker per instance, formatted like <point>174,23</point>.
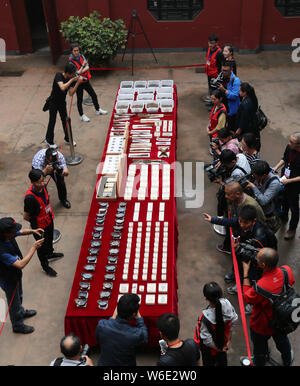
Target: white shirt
<point>38,161</point>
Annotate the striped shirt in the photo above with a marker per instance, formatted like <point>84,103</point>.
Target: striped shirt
<point>252,158</point>
<point>39,160</point>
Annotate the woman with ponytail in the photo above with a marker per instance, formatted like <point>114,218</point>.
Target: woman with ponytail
<point>213,332</point>
<point>246,115</point>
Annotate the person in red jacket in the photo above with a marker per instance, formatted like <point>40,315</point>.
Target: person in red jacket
<point>82,68</point>
<point>272,280</point>
<point>213,64</point>
<point>38,211</point>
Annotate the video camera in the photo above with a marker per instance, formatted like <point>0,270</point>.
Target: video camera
<point>55,163</point>
<point>242,180</point>
<point>214,83</point>
<point>213,171</point>
<point>247,251</point>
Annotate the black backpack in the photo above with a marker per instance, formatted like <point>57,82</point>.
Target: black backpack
<point>283,306</point>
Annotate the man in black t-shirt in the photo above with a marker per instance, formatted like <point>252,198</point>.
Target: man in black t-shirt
<point>177,352</point>
<point>291,181</point>
<point>62,83</point>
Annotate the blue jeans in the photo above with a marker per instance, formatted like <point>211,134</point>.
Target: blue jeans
<point>260,347</point>
<point>16,311</point>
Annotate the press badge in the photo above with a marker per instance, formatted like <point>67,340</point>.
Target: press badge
<point>208,62</point>
<point>287,172</point>
<point>48,209</point>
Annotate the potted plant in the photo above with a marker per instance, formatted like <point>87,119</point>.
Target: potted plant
<point>99,37</point>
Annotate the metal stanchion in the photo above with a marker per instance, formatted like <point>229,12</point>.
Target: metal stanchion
<point>73,159</point>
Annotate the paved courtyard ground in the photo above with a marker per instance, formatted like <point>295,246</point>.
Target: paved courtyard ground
<point>22,129</point>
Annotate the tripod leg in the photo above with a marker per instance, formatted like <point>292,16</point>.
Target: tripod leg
<point>144,33</point>
<point>132,53</point>
<point>127,39</point>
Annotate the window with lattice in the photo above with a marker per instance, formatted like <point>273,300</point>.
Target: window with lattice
<point>175,9</point>
<point>288,7</point>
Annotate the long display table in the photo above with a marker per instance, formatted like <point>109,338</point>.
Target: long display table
<point>138,250</point>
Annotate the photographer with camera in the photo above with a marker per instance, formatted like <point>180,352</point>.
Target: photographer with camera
<point>236,199</point>
<point>38,211</point>
<point>53,163</point>
<point>12,264</point>
<point>233,167</point>
<point>246,229</point>
<point>290,178</point>
<point>263,314</point>
<point>225,141</point>
<point>74,354</point>
<point>266,188</point>
<point>230,85</point>
<point>117,337</point>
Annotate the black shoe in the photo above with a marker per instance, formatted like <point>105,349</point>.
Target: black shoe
<point>55,256</point>
<point>50,272</point>
<point>66,204</point>
<point>23,330</point>
<point>229,278</point>
<point>29,313</point>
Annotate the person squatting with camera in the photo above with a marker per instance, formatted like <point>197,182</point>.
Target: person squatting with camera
<point>53,163</point>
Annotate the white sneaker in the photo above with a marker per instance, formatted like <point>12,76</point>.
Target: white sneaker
<point>52,146</point>
<point>68,143</point>
<point>84,118</point>
<point>101,112</point>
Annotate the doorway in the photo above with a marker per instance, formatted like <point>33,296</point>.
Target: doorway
<point>37,24</point>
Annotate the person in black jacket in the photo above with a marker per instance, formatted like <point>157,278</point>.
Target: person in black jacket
<point>11,265</point>
<point>290,178</point>
<point>246,227</point>
<point>176,352</point>
<point>245,120</point>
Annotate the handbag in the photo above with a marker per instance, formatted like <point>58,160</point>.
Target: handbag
<point>47,104</point>
<point>261,119</point>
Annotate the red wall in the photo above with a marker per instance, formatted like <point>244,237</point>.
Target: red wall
<point>7,26</point>
<point>277,29</point>
<point>247,24</point>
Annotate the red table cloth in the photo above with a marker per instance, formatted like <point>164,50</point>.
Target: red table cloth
<point>83,321</point>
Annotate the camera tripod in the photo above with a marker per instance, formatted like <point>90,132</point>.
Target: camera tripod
<point>133,32</point>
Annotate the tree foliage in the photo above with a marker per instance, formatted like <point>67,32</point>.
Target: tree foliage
<point>99,37</point>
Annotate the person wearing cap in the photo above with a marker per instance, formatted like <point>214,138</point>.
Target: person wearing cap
<point>38,211</point>
<point>11,265</point>
<point>53,163</point>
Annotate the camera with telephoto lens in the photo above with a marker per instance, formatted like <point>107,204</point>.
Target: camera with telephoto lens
<point>242,180</point>
<point>214,83</point>
<point>84,351</point>
<point>55,163</point>
<point>213,171</point>
<point>247,251</point>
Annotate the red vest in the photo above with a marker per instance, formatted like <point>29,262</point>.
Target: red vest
<point>46,215</point>
<point>197,339</point>
<point>214,117</point>
<point>211,64</point>
<point>86,75</point>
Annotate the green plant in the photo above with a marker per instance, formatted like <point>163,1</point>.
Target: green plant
<point>99,37</point>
